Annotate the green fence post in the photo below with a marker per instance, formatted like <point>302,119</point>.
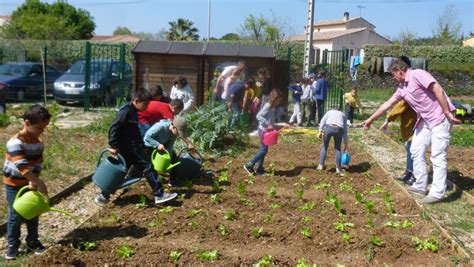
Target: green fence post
<point>87,78</point>
<point>122,74</point>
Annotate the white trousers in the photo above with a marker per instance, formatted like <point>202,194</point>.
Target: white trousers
<point>296,113</point>
<point>438,137</point>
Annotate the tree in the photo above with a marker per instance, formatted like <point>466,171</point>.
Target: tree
<point>407,37</point>
<point>43,21</point>
<point>182,30</point>
<point>447,29</point>
<point>230,37</point>
<point>254,27</point>
<point>122,31</point>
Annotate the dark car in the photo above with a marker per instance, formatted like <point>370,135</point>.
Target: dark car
<point>22,80</point>
<point>104,82</point>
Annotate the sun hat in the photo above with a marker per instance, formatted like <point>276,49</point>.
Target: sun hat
<point>180,124</point>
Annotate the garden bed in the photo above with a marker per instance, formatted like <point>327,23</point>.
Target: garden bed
<point>284,218</point>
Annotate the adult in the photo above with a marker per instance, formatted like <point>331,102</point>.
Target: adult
<point>226,72</point>
<point>434,122</point>
<point>320,92</point>
<point>333,124</point>
<point>181,90</point>
<point>265,84</point>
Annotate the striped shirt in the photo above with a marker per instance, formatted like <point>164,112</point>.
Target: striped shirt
<point>24,154</point>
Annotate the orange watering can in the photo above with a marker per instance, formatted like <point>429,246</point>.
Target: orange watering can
<point>162,161</point>
<point>31,204</point>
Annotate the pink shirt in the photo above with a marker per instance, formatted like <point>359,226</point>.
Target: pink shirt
<point>416,93</point>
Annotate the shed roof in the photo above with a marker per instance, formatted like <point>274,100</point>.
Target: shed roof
<point>201,49</point>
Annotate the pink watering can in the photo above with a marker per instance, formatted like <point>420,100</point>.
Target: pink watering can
<point>270,137</point>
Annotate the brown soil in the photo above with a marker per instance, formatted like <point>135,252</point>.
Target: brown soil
<point>461,167</point>
<point>122,222</point>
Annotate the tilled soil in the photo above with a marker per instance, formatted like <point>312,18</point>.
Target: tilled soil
<point>261,227</point>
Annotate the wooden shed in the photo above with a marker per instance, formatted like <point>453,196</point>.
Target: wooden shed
<point>160,62</point>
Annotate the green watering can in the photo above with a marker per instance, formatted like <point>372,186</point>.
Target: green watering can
<point>32,204</point>
<point>162,161</point>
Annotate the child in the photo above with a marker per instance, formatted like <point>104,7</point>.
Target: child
<point>296,100</point>
<point>22,167</point>
<point>306,98</point>
<point>266,119</point>
<point>228,82</point>
<point>352,102</point>
<point>333,124</point>
<point>124,138</point>
<point>182,90</point>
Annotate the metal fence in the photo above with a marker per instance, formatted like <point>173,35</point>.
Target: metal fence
<point>334,65</point>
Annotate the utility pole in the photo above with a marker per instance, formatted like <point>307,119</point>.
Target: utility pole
<point>209,20</point>
<point>360,10</point>
<point>308,41</point>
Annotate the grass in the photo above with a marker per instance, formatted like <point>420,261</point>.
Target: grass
<point>375,94</point>
<point>462,135</point>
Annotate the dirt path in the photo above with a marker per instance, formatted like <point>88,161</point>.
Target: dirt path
<point>455,214</point>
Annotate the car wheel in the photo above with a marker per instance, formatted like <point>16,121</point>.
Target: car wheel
<point>20,94</point>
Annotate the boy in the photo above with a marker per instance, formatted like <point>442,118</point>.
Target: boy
<point>22,167</point>
<point>124,138</point>
<point>352,102</point>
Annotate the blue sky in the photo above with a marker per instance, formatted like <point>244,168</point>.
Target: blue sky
<point>389,16</point>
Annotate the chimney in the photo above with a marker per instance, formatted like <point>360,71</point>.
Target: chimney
<point>346,16</point>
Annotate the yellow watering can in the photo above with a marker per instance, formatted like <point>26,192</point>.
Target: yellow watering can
<point>162,161</point>
<point>31,204</point>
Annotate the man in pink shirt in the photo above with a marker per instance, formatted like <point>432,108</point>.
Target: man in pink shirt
<point>434,121</point>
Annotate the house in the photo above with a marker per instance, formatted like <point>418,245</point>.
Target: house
<point>160,63</point>
<point>4,19</point>
<point>468,42</point>
<point>349,34</point>
<point>115,38</point>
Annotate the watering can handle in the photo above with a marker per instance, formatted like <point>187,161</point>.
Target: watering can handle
<point>156,151</point>
<point>107,150</point>
<point>21,192</point>
<point>197,153</point>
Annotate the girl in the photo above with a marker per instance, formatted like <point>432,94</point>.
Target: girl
<point>266,121</point>
<point>182,90</point>
<point>296,100</point>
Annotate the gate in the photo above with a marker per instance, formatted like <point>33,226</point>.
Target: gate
<point>107,77</point>
<point>333,64</point>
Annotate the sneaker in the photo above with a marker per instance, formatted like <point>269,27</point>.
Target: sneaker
<point>429,200</point>
<point>12,252</point>
<point>320,167</point>
<point>101,199</point>
<point>416,191</point>
<point>249,169</point>
<point>254,133</point>
<point>165,197</point>
<point>35,247</point>
<point>260,171</point>
<point>405,176</point>
<point>410,180</point>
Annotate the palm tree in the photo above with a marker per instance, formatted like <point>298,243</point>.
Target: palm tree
<point>182,30</point>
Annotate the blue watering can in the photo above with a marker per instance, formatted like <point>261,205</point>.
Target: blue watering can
<point>345,158</point>
<point>190,166</point>
<point>111,173</point>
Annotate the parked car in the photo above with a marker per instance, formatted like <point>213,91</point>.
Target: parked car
<point>22,80</point>
<point>104,82</point>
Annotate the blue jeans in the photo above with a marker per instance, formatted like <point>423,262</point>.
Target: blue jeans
<point>143,127</point>
<point>320,106</point>
<point>262,152</point>
<point>14,221</point>
<point>234,107</point>
<point>336,132</point>
<point>409,158</point>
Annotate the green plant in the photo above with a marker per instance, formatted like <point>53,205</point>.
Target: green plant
<point>175,255</point>
<point>88,245</point>
<point>306,232</point>
<point>272,190</point>
<point>4,120</point>
<point>241,188</point>
<point>125,251</point>
<point>194,212</point>
<point>271,169</point>
<point>229,215</point>
<point>246,202</point>
<point>250,179</point>
<point>377,189</point>
<point>215,199</point>
<point>167,209</point>
<point>334,200</point>
<point>299,192</point>
<point>114,218</point>
<point>369,206</point>
<point>346,237</point>
<point>345,186</point>
<point>388,203</point>
<point>359,197</point>
<point>223,177</point>
<point>403,225</point>
<point>377,241</point>
<point>275,206</point>
<point>307,206</point>
<point>188,183</point>
<point>302,263</point>
<point>341,226</point>
<point>194,225</point>
<point>141,202</point>
<point>157,221</point>
<point>223,230</point>
<point>216,186</point>
<point>265,261</point>
<point>181,197</point>
<point>321,185</point>
<point>208,255</point>
<point>430,243</point>
<point>307,219</point>
<point>268,217</point>
<point>258,232</point>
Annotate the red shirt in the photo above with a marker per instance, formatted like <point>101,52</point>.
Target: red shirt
<point>155,112</point>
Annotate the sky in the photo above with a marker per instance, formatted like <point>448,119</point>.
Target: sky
<point>391,17</point>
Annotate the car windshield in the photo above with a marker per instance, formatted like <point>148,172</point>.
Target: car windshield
<point>14,69</point>
<point>79,68</point>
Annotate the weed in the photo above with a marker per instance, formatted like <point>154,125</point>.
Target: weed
<point>307,206</point>
<point>370,253</point>
<point>369,206</point>
<point>301,263</point>
<point>88,245</point>
<point>268,217</point>
<point>4,120</point>
<point>377,241</point>
<point>367,174</point>
<point>258,232</point>
<point>215,199</point>
<point>250,179</point>
<point>246,202</point>
<point>194,212</point>
<point>174,256</point>
<point>272,190</point>
<point>223,230</point>
<point>167,209</point>
<point>181,197</point>
<point>431,243</point>
<point>194,225</point>
<point>299,192</point>
<point>403,225</point>
<point>114,218</point>
<point>125,251</point>
<point>216,186</point>
<point>377,189</point>
<point>141,202</point>
<point>346,237</point>
<point>306,232</point>
<point>291,164</point>
<point>223,177</point>
<point>241,188</point>
<point>321,186</point>
<point>265,261</point>
<point>157,221</point>
<point>307,219</point>
<point>388,203</point>
<point>359,197</point>
<point>271,168</point>
<point>275,206</point>
<point>229,215</point>
<point>208,255</point>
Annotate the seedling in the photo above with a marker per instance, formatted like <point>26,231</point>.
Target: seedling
<point>216,186</point>
<point>341,226</point>
<point>268,217</point>
<point>223,230</point>
<point>272,190</point>
<point>299,192</point>
<point>114,218</point>
<point>271,168</point>
<point>275,206</point>
<point>208,255</point>
<point>359,197</point>
<point>194,212</point>
<point>307,219</point>
<point>223,177</point>
<point>215,199</point>
<point>376,241</point>
<point>188,184</point>
<point>175,255</point>
<point>388,203</point>
<point>346,237</point>
<point>141,202</point>
<point>321,185</point>
<point>333,199</point>
<point>291,164</point>
<point>258,232</point>
<point>167,209</point>
<point>306,232</point>
<point>431,243</point>
<point>125,251</point>
<point>377,189</point>
<point>265,261</point>
<point>241,188</point>
<point>181,197</point>
<point>369,206</point>
<point>302,263</point>
<point>156,222</point>
<point>344,186</point>
<point>246,202</point>
<point>229,215</point>
<point>250,179</point>
<point>403,225</point>
<point>307,206</point>
<point>194,225</point>
<point>367,174</point>
<point>88,245</point>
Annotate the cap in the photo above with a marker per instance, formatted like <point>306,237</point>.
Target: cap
<point>312,75</point>
<point>180,124</point>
